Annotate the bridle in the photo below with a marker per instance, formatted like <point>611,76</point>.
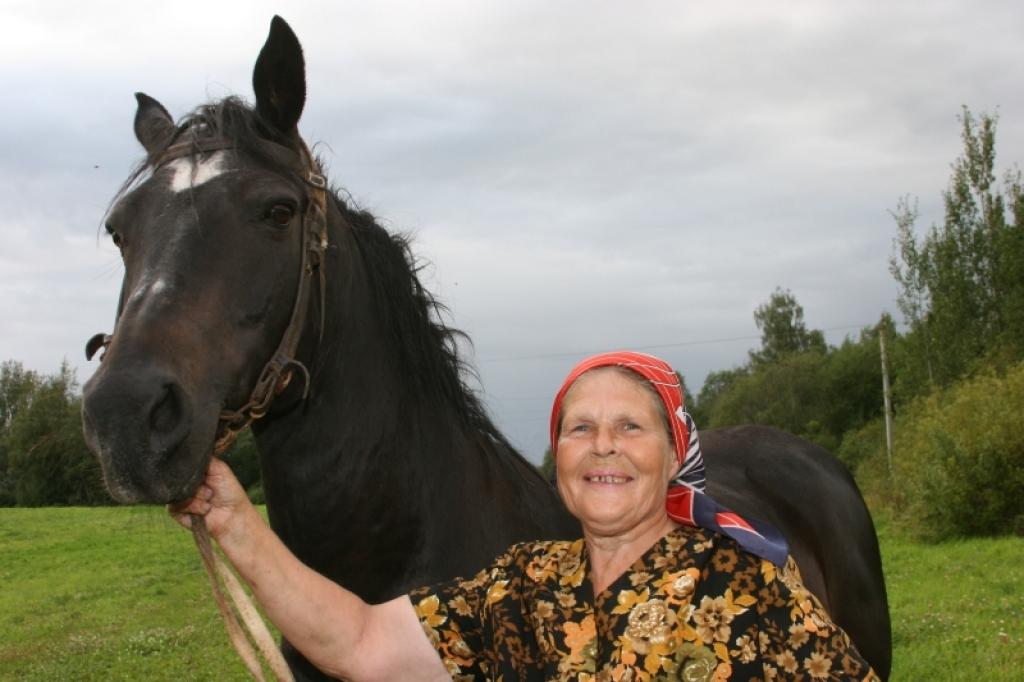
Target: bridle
<point>279,370</point>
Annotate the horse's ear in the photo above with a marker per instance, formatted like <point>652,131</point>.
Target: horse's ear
<point>153,125</point>
<point>279,78</point>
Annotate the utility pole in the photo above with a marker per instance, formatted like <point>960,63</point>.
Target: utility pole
<point>885,394</point>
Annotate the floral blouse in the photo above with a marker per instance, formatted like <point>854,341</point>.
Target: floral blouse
<point>694,607</point>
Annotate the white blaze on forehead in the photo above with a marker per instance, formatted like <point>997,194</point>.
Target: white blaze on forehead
<point>188,175</point>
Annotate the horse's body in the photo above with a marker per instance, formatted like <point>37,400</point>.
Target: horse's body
<point>805,492</point>
<point>388,474</point>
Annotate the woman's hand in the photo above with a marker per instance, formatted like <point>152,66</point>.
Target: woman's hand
<point>221,501</point>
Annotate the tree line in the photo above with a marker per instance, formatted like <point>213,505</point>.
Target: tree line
<point>961,297</point>
<point>956,369</point>
<point>43,457</point>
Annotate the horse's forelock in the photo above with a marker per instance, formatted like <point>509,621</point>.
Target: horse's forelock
<point>230,119</point>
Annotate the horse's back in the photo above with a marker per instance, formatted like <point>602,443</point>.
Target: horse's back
<point>811,498</point>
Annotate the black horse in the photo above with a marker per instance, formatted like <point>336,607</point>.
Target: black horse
<point>247,281</point>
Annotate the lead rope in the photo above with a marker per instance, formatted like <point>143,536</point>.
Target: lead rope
<point>251,626</point>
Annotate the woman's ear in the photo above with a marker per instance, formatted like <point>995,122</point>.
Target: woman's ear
<point>674,465</point>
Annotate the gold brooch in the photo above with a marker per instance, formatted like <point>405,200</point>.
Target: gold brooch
<point>650,622</point>
<point>683,585</point>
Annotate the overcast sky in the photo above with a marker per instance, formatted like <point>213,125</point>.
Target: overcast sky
<point>581,176</point>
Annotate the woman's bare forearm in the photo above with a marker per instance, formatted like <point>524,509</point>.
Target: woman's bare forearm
<point>336,630</point>
<point>320,618</point>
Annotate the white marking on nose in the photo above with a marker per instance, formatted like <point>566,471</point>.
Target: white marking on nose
<point>188,175</point>
<point>147,289</point>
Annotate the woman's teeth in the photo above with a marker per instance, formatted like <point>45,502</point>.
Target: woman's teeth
<point>607,479</point>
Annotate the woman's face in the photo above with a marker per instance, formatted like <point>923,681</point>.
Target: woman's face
<point>614,458</point>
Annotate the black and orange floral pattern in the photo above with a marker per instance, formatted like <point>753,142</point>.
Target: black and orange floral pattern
<point>694,607</point>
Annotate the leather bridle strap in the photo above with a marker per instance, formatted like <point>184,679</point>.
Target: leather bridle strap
<point>280,369</point>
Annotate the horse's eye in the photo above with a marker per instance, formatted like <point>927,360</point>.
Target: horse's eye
<point>115,236</point>
<point>281,214</point>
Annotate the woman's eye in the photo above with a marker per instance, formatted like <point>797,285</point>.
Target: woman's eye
<point>281,214</point>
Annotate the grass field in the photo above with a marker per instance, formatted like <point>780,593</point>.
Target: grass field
<point>119,594</point>
<point>106,594</point>
<point>956,607</point>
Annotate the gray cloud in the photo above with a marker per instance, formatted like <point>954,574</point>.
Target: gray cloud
<point>580,175</point>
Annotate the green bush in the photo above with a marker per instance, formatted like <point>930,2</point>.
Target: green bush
<point>860,445</point>
<point>244,460</point>
<point>863,452</point>
<point>255,493</point>
<point>959,458</point>
<point>48,462</point>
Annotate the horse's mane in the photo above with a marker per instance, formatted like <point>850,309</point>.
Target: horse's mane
<point>426,345</point>
<point>419,335</point>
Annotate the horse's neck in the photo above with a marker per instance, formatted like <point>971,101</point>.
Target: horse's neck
<point>365,487</point>
<point>377,482</point>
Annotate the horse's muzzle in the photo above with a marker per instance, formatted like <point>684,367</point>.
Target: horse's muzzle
<point>139,421</point>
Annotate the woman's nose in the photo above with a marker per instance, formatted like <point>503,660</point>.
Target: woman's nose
<point>604,441</point>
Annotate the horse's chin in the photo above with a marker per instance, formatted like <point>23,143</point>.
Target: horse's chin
<point>153,490</point>
<point>158,484</point>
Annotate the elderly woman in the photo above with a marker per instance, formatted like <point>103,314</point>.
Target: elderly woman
<point>664,583</point>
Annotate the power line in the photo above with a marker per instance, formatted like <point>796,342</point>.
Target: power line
<point>679,344</point>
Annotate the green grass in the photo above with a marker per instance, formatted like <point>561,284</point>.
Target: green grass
<point>120,594</point>
<point>106,594</point>
<point>956,607</point>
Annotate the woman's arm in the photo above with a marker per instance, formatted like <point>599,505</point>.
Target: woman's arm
<point>332,627</point>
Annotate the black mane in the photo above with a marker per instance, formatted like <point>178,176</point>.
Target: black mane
<point>428,347</point>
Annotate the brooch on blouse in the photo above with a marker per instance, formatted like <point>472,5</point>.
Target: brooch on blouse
<point>650,622</point>
<point>683,585</point>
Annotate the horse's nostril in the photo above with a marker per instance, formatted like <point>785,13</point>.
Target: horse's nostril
<point>169,420</point>
<point>166,414</point>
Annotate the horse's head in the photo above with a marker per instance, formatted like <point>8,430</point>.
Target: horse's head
<point>221,232</point>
